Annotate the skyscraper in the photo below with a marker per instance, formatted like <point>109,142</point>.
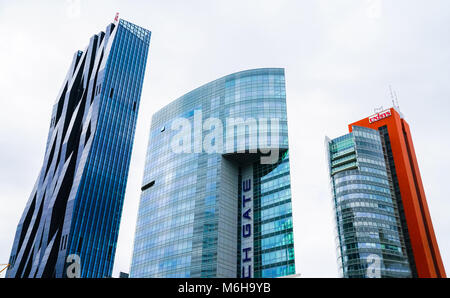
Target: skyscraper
<point>73,213</point>
<point>216,199</point>
<point>384,228</point>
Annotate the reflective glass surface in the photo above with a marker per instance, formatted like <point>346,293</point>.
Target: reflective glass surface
<point>369,234</point>
<point>188,219</point>
<point>99,200</point>
<point>274,240</point>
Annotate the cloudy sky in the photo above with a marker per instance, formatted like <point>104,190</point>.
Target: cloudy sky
<point>340,58</point>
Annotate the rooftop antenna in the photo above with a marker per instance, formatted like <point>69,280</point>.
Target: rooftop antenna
<point>394,98</point>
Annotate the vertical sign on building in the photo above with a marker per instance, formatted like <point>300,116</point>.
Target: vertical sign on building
<point>247,223</point>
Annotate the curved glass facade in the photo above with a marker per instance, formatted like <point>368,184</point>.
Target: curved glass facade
<point>192,218</point>
<point>370,241</point>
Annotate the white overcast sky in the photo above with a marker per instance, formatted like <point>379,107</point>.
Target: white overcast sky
<point>340,57</point>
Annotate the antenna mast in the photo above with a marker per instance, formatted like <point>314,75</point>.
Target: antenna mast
<point>394,98</point>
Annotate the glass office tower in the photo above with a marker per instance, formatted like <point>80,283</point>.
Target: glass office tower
<point>421,244</point>
<point>369,230</point>
<point>216,208</point>
<point>384,227</point>
<point>73,213</point>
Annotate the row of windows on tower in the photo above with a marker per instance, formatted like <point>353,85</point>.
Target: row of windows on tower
<point>111,93</point>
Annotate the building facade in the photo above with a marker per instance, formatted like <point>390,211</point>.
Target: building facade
<point>70,224</point>
<point>383,226</point>
<point>218,206</point>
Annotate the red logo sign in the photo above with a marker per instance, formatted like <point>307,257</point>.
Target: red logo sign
<point>379,116</point>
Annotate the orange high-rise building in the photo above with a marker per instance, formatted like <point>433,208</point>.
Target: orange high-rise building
<point>423,251</point>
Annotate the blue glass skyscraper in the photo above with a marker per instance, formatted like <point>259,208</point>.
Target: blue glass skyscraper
<point>73,213</point>
<point>218,206</point>
<point>370,238</point>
